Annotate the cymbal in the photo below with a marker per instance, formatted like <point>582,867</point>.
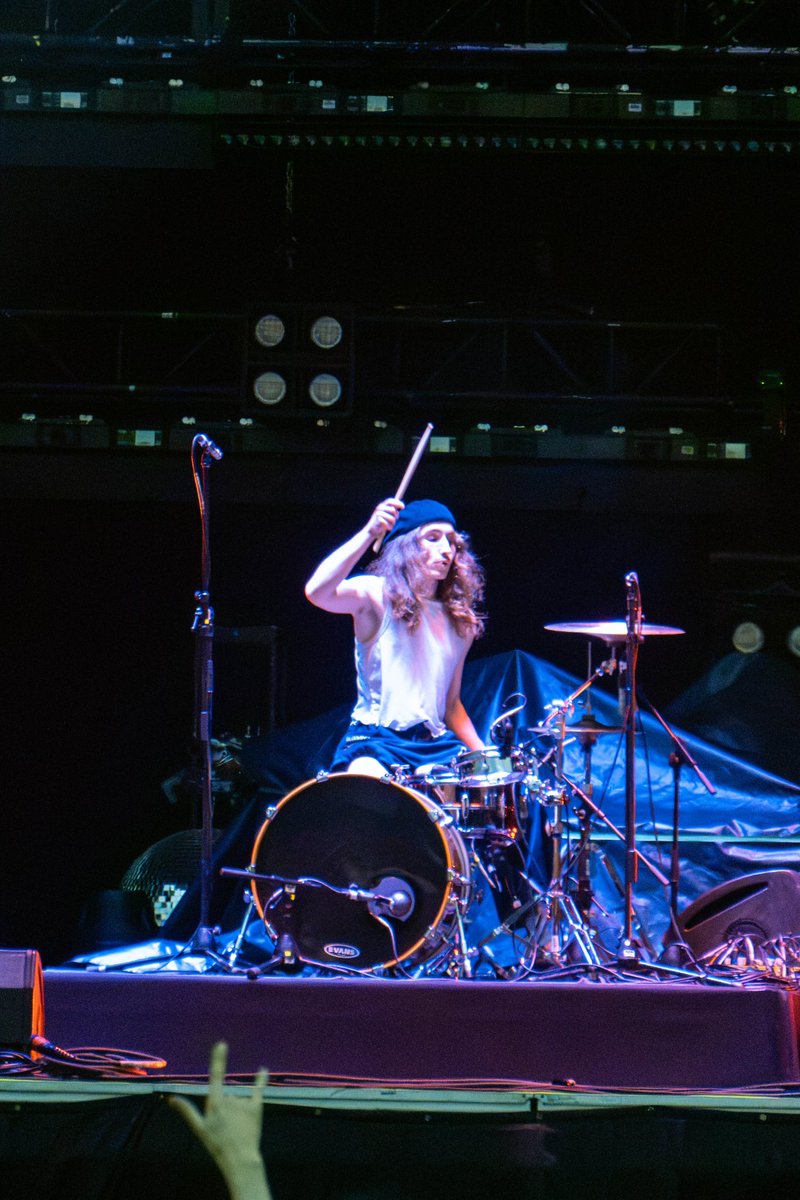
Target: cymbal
<point>611,631</point>
<point>587,726</point>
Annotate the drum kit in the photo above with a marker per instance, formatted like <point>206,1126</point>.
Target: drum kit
<point>357,875</point>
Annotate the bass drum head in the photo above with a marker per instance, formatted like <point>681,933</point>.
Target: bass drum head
<point>347,830</point>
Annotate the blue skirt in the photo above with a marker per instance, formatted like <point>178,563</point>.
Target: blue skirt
<point>415,747</point>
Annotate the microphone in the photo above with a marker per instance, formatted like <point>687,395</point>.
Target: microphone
<point>206,444</point>
<point>634,602</point>
<point>400,903</point>
<point>502,734</point>
<point>634,623</point>
<point>391,897</point>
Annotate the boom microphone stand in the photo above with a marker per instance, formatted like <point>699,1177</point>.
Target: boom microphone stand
<point>678,758</point>
<point>203,940</point>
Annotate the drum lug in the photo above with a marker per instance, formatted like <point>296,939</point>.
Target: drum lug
<point>321,776</point>
<point>270,811</point>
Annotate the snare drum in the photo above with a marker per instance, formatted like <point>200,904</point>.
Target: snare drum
<point>490,767</point>
<point>348,831</point>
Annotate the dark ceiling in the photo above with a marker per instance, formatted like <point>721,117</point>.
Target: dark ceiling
<point>708,22</point>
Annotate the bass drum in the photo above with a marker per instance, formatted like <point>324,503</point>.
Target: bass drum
<point>353,831</point>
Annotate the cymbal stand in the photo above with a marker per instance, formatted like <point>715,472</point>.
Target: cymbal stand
<point>627,949</point>
<point>583,854</point>
<point>560,923</point>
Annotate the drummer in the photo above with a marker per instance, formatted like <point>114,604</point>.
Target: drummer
<point>416,612</point>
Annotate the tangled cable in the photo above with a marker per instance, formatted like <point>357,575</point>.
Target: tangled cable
<point>44,1059</point>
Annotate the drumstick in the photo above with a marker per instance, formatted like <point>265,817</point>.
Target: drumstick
<point>406,480</point>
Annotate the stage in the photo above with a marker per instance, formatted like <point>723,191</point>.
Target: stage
<point>439,1032</point>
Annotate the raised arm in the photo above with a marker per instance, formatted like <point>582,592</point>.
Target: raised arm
<point>362,595</point>
<point>230,1128</point>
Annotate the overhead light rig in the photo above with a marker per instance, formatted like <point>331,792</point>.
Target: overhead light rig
<point>706,22</point>
<point>301,378</point>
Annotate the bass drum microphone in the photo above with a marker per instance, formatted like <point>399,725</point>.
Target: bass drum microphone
<point>392,897</point>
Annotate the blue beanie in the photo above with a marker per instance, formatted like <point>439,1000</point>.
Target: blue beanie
<point>417,513</point>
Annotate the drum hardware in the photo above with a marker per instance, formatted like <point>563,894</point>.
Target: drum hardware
<point>560,925</point>
<point>590,729</point>
<point>235,948</point>
<point>484,871</point>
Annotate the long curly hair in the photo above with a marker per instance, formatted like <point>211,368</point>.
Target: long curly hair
<point>461,591</point>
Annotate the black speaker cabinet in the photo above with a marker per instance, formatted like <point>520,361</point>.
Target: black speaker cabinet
<point>760,906</point>
<point>21,998</point>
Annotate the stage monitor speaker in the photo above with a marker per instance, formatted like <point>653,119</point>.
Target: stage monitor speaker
<point>760,906</point>
<point>21,998</point>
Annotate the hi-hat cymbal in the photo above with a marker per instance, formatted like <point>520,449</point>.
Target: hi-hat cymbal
<point>611,631</point>
<point>586,726</point>
<point>589,725</point>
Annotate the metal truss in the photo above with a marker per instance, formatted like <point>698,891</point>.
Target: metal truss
<point>512,370</point>
<point>498,22</point>
<point>63,362</point>
<point>533,369</point>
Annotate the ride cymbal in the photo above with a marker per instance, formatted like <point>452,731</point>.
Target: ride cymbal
<point>611,631</point>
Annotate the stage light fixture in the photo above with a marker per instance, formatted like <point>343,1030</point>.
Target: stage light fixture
<point>300,359</point>
<point>325,390</point>
<point>326,332</point>
<point>269,388</point>
<point>748,637</point>
<point>270,331</point>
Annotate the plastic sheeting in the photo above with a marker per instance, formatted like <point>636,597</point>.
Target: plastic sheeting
<point>748,704</point>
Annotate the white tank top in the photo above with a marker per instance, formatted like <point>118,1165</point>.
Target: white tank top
<point>403,677</point>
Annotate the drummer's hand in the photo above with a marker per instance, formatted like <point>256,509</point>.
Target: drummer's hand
<point>384,517</point>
